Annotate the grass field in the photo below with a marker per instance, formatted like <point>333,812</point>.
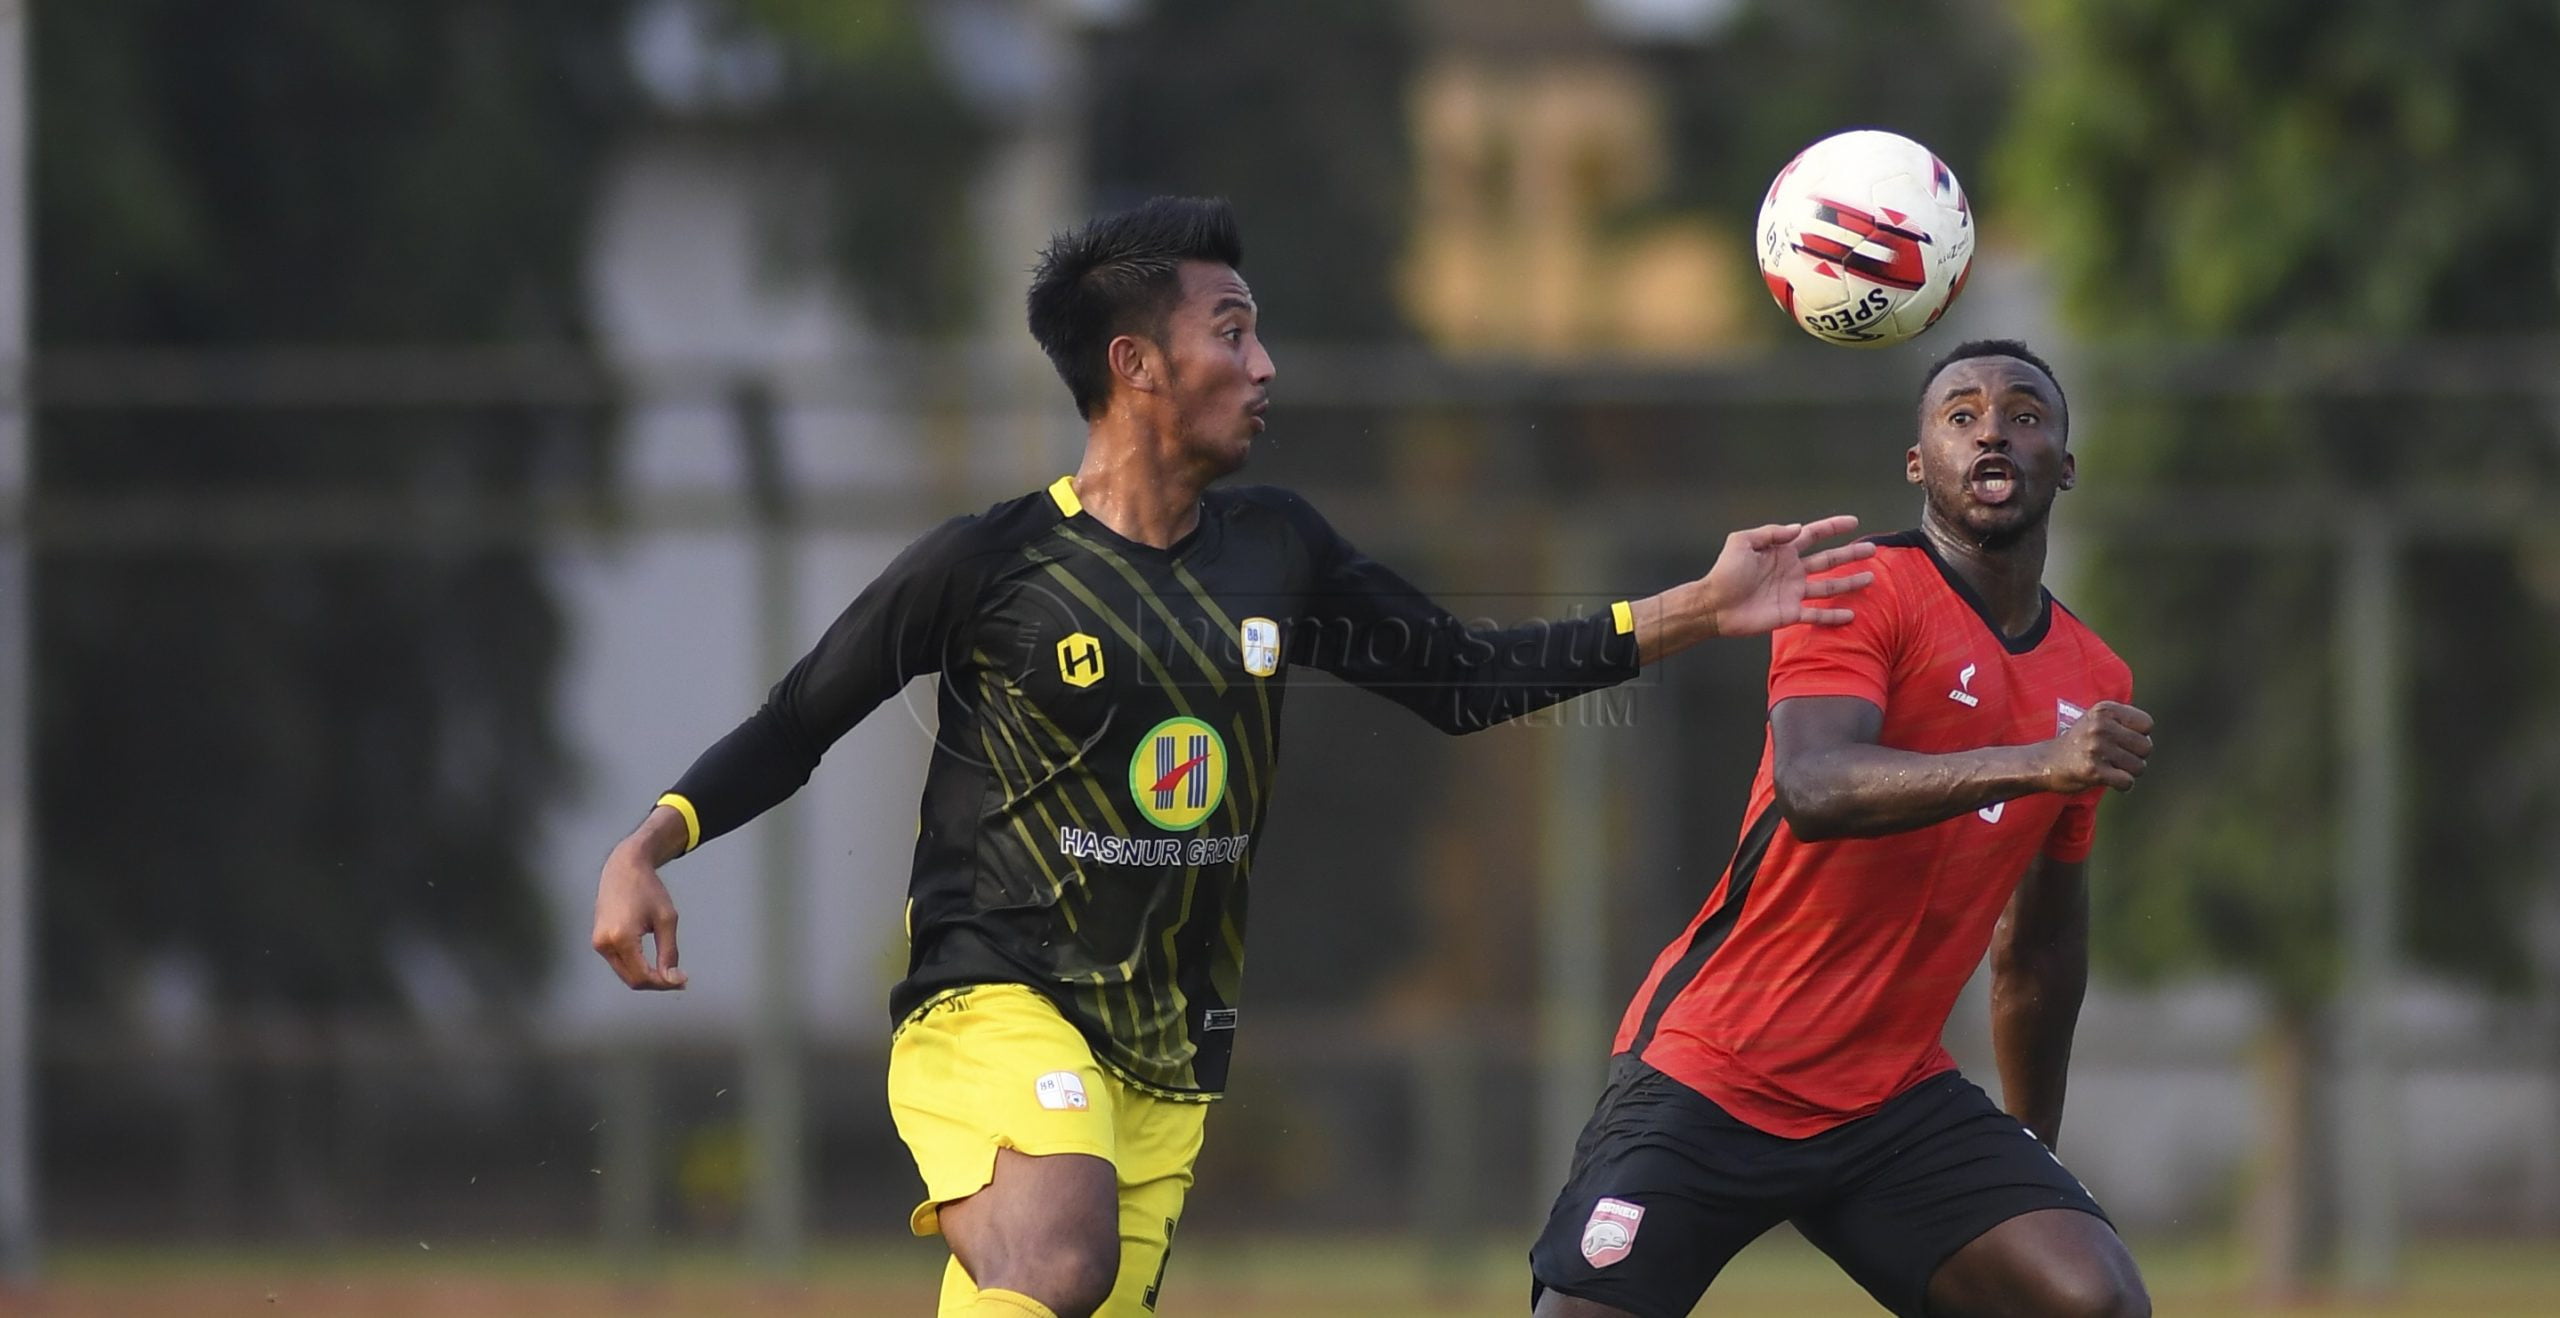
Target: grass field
<point>1295,1277</point>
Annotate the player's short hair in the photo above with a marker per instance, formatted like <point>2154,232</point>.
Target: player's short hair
<point>1120,274</point>
<point>1973,348</point>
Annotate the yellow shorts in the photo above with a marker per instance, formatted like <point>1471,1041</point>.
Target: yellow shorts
<point>996,1067</point>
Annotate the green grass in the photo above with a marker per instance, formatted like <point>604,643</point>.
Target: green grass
<point>1239,1277</point>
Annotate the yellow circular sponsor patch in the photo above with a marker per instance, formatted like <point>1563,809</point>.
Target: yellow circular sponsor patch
<point>1179,774</point>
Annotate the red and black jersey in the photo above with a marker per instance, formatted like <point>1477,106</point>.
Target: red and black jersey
<point>1815,982</point>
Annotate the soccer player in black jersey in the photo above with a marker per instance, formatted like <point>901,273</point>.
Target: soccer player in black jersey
<point>1112,652</point>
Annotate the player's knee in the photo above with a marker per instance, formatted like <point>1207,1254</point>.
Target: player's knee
<point>2094,1293</point>
<point>1080,1274</point>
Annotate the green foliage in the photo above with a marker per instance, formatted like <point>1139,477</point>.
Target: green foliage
<point>2332,166</point>
<point>898,151</point>
<point>2307,168</point>
<point>292,766</point>
<point>1295,112</point>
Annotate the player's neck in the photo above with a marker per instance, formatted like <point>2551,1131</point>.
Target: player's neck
<point>1147,491</point>
<point>2008,579</point>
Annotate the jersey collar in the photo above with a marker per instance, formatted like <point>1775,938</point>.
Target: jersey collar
<point>2019,644</point>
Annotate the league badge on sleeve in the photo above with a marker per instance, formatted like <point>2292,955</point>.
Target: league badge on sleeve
<point>1260,640</point>
<point>1610,1235</point>
<point>2064,715</point>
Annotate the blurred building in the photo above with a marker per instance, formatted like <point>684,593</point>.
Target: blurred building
<point>1539,158</point>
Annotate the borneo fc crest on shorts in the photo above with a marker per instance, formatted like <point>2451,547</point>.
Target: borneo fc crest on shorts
<point>1611,1232</point>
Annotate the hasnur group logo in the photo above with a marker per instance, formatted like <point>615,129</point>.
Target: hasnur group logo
<point>1179,774</point>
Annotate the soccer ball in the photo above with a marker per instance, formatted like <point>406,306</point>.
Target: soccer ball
<point>1865,239</point>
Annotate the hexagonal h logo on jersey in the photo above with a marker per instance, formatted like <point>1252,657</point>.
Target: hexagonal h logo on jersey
<point>1178,774</point>
<point>1080,660</point>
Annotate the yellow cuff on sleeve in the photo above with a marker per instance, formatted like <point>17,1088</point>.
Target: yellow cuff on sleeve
<point>1625,614</point>
<point>692,820</point>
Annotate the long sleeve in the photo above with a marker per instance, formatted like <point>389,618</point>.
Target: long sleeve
<point>1365,624</point>
<point>897,629</point>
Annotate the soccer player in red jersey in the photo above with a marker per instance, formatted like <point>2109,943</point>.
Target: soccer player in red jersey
<point>1927,790</point>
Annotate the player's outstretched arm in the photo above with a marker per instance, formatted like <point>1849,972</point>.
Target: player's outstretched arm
<point>1762,581</point>
<point>632,903</point>
<point>1834,781</point>
<point>892,632</point>
<point>2039,974</point>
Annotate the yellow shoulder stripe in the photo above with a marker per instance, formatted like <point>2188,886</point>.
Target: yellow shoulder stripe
<point>1063,490</point>
<point>1624,615</point>
<point>692,818</point>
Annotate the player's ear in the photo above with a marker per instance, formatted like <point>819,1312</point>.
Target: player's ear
<point>2070,470</point>
<point>1911,464</point>
<point>1135,363</point>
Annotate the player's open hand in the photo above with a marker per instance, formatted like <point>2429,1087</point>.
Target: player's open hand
<point>1763,579</point>
<point>632,901</point>
<point>2107,747</point>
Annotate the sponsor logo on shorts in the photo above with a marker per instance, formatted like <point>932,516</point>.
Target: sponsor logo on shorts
<point>1218,1018</point>
<point>1062,1091</point>
<point>1610,1235</point>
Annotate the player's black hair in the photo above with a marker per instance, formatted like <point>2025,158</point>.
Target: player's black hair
<point>1972,348</point>
<point>1119,274</point>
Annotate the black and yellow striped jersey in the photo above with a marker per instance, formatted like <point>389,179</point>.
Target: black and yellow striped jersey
<point>1108,730</point>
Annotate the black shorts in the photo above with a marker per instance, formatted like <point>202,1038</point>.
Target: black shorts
<point>1667,1187</point>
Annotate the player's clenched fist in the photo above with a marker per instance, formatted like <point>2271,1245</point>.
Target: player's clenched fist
<point>2106,748</point>
<point>632,901</point>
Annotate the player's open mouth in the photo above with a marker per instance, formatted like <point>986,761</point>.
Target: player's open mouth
<point>1992,480</point>
<point>1255,411</point>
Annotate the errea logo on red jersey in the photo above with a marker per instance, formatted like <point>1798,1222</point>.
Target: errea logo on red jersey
<point>1963,694</point>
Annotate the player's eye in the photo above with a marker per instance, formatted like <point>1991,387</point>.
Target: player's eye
<point>1960,416</point>
<point>2029,419</point>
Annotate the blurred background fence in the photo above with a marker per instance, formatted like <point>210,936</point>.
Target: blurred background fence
<point>446,420</point>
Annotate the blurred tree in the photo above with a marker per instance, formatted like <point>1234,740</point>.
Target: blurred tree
<point>296,769</point>
<point>899,148</point>
<point>291,768</point>
<point>1294,112</point>
<point>2199,169</point>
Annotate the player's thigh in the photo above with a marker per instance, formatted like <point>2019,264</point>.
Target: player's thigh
<point>1159,1143</point>
<point>1941,1168</point>
<point>1043,1227</point>
<point>1665,1189</point>
<point>993,1068</point>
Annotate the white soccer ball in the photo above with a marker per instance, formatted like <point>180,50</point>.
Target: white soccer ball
<point>1865,239</point>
